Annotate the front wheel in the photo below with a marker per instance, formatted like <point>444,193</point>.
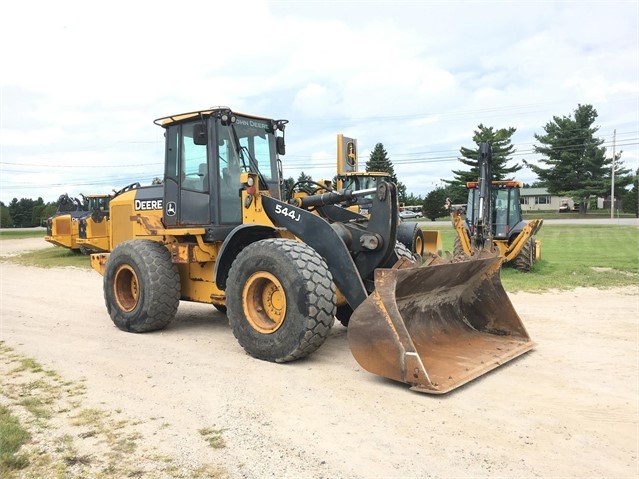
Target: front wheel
<point>141,286</point>
<point>280,300</point>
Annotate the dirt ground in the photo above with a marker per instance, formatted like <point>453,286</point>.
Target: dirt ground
<point>569,408</point>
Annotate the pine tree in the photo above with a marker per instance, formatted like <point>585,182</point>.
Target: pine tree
<point>502,150</point>
<point>577,162</point>
<point>5,217</point>
<point>378,161</point>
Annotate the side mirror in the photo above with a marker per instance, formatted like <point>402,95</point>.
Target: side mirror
<point>199,134</point>
<point>280,146</point>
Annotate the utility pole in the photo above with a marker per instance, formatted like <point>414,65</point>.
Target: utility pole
<point>612,184</point>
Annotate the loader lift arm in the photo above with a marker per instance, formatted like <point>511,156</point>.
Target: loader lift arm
<point>353,250</point>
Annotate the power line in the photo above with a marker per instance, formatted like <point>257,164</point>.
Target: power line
<point>79,166</point>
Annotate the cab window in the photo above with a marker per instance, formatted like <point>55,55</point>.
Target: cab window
<point>194,165</point>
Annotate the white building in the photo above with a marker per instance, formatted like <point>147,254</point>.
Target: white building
<point>538,199</point>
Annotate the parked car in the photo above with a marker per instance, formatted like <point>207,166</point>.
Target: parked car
<point>407,214</point>
<point>564,208</point>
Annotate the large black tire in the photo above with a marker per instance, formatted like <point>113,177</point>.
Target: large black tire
<point>402,251</point>
<point>221,308</point>
<point>412,236</point>
<point>525,260</point>
<point>457,248</point>
<point>280,300</point>
<point>141,286</point>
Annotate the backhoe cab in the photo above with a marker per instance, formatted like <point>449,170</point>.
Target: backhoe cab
<point>217,232</point>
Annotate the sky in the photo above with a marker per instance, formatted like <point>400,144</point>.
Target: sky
<point>81,82</point>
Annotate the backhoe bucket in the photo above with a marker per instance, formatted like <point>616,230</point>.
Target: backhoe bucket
<point>437,327</point>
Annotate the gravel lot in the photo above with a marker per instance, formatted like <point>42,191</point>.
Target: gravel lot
<point>569,408</point>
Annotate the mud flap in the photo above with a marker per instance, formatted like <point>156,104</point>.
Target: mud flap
<point>437,327</point>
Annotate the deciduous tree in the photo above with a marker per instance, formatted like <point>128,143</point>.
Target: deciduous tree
<point>434,203</point>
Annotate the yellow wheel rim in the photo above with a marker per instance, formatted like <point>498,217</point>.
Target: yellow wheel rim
<point>419,245</point>
<point>264,302</point>
<point>126,288</point>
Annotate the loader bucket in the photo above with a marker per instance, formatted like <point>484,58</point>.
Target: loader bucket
<point>433,241</point>
<point>437,327</point>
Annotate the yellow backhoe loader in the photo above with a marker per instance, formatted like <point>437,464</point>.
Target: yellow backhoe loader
<point>493,220</point>
<point>217,232</point>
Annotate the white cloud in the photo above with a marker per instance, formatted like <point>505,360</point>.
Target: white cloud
<point>82,82</point>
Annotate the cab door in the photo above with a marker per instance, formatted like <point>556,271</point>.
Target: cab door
<point>187,177</point>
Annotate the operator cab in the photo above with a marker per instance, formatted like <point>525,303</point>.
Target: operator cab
<point>205,153</point>
<point>506,213</point>
<point>99,203</point>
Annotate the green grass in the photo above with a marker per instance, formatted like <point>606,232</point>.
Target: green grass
<point>12,437</point>
<point>18,234</point>
<point>213,437</point>
<point>52,258</point>
<point>592,214</point>
<point>600,256</point>
<point>38,406</point>
<point>555,215</point>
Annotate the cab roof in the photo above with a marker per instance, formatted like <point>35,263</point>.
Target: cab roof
<point>169,120</point>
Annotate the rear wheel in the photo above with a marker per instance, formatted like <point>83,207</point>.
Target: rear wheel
<point>280,300</point>
<point>525,259</point>
<point>412,236</point>
<point>141,286</point>
<point>402,251</point>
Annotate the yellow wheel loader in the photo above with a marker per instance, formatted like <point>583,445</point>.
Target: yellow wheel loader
<point>217,232</point>
<point>492,220</point>
<point>93,228</point>
<point>62,227</point>
<point>409,233</point>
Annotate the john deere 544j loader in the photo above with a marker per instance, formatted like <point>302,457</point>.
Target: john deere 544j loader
<point>218,233</point>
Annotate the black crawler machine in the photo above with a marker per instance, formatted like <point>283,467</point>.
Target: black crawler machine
<point>217,232</point>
